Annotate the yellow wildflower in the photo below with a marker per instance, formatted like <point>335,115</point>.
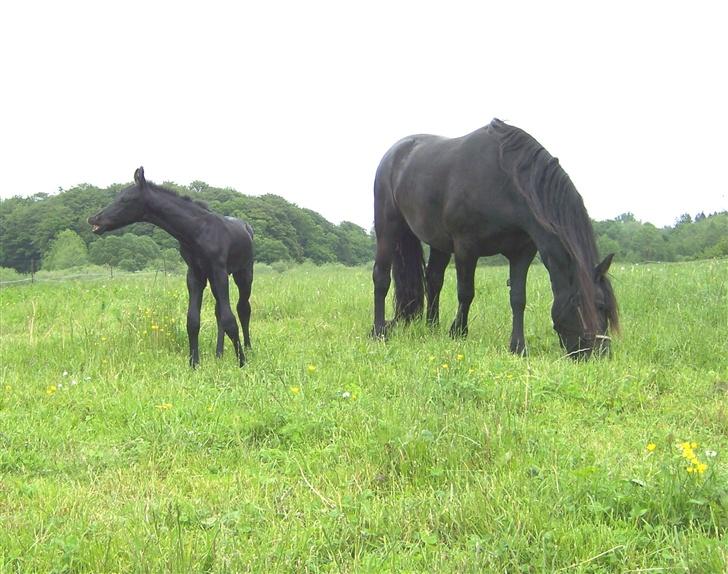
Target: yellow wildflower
<point>51,389</point>
<point>460,357</point>
<point>651,447</point>
<point>311,368</point>
<point>164,406</point>
<point>445,366</point>
<point>701,467</point>
<point>295,390</point>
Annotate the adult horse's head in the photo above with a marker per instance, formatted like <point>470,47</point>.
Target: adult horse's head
<point>128,207</point>
<point>583,316</point>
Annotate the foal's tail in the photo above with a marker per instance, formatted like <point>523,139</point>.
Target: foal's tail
<point>408,270</point>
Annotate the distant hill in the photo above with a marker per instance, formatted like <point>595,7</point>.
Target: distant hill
<point>286,232</point>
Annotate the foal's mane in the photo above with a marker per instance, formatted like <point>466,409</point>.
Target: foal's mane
<point>173,193</point>
<point>558,208</point>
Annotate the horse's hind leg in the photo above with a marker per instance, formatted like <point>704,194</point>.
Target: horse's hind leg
<point>382,278</point>
<point>519,264</point>
<point>465,266</point>
<point>434,278</point>
<point>244,281</point>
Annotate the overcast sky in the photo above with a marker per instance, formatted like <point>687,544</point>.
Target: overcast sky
<point>302,99</point>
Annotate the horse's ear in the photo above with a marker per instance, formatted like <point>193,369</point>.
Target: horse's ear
<point>139,176</point>
<point>601,269</point>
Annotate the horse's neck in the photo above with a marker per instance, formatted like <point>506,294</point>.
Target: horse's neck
<point>558,262</point>
<point>178,217</point>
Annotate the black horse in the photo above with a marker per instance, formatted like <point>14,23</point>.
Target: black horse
<point>496,190</point>
<point>212,245</point>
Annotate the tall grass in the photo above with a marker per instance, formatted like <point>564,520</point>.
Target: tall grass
<point>331,452</point>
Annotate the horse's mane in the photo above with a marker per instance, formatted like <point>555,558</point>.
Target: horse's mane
<point>171,192</point>
<point>557,207</point>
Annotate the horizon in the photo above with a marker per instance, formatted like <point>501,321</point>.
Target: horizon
<point>368,229</point>
<point>302,101</point>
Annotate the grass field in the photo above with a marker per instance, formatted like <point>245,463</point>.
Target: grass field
<point>331,452</point>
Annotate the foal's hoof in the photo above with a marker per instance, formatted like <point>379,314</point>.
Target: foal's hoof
<point>519,348</point>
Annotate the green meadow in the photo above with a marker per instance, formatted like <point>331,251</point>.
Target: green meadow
<point>333,452</point>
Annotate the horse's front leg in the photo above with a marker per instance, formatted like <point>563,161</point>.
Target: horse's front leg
<point>465,267</point>
<point>434,278</point>
<point>519,264</point>
<point>195,287</point>
<point>219,284</point>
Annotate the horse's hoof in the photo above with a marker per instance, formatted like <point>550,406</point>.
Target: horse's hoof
<point>381,332</point>
<point>458,332</point>
<point>378,334</point>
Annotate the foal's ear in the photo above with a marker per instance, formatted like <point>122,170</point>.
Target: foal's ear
<point>139,176</point>
<point>601,269</point>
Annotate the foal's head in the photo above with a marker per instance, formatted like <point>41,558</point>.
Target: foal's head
<point>583,325</point>
<point>128,207</point>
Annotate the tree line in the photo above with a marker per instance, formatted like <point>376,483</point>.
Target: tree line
<point>50,232</point>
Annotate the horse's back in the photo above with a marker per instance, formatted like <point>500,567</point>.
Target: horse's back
<point>445,188</point>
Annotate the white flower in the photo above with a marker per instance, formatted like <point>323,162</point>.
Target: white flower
<point>65,373</point>
<point>711,453</point>
<point>346,395</point>
<point>74,382</point>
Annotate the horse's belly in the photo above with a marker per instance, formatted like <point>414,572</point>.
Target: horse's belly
<point>430,232</point>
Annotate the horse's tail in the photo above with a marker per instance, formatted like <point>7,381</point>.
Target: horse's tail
<point>248,228</point>
<point>408,270</point>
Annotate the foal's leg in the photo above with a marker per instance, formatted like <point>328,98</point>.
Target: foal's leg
<point>195,287</point>
<point>434,277</point>
<point>220,332</point>
<point>519,264</point>
<point>219,284</point>
<point>244,281</point>
<point>465,266</point>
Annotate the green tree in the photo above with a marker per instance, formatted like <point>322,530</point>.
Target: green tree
<point>130,252</point>
<point>270,250</point>
<point>67,250</point>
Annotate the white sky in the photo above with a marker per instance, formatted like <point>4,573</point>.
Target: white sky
<point>302,99</point>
